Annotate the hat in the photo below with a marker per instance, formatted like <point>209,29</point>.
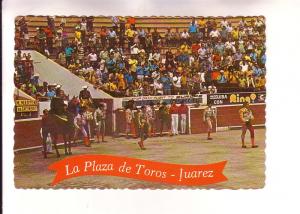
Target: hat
<point>58,86</point>
<point>36,75</point>
<point>85,86</point>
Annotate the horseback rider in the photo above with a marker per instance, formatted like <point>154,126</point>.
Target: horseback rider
<point>85,97</point>
<point>57,104</point>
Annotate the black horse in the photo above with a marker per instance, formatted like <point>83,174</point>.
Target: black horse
<point>60,124</point>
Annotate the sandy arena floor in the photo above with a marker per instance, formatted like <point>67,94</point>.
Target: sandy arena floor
<point>245,167</point>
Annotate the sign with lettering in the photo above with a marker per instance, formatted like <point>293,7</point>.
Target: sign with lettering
<point>236,98</point>
<point>146,100</point>
<point>26,105</point>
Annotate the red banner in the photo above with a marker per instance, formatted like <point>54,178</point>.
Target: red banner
<point>178,174</point>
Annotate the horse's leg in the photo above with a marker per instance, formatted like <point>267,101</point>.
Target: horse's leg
<point>65,143</point>
<point>55,146</point>
<point>69,142</point>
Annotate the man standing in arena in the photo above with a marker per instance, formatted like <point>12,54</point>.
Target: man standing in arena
<point>143,124</point>
<point>247,117</point>
<point>151,117</point>
<point>45,132</point>
<point>163,116</point>
<point>183,111</point>
<point>80,123</point>
<point>209,114</point>
<point>174,118</point>
<point>100,117</point>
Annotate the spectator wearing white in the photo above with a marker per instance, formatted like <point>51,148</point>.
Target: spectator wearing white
<point>229,28</point>
<point>92,58</point>
<point>214,34</point>
<point>115,22</point>
<point>230,47</point>
<point>156,56</point>
<point>158,87</point>
<point>176,84</point>
<point>83,27</point>
<point>202,52</point>
<point>112,36</point>
<point>202,78</point>
<point>93,39</point>
<point>191,60</point>
<point>224,23</point>
<point>244,66</point>
<point>184,36</point>
<point>134,50</point>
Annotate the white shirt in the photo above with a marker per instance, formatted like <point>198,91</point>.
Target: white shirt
<point>177,82</point>
<point>92,57</point>
<point>214,34</point>
<point>156,56</point>
<point>185,35</point>
<point>202,76</point>
<point>244,67</point>
<point>224,23</point>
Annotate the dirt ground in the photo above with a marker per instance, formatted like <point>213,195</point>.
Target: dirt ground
<point>245,167</point>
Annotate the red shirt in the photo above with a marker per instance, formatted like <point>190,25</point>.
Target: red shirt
<point>173,109</point>
<point>131,20</point>
<point>195,48</point>
<point>183,109</point>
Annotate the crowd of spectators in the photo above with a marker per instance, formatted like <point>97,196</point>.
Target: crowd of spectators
<point>27,81</point>
<point>208,56</point>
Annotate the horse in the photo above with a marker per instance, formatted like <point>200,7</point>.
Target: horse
<point>60,125</point>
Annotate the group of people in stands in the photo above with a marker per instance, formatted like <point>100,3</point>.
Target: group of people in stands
<point>26,80</point>
<point>208,56</point>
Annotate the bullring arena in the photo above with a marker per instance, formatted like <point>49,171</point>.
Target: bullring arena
<point>41,69</point>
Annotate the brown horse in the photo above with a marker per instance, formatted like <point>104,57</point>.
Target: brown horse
<point>60,125</point>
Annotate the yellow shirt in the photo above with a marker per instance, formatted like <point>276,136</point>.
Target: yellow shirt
<point>202,23</point>
<point>183,80</point>
<point>112,87</point>
<point>184,48</point>
<point>247,58</point>
<point>129,33</point>
<point>246,114</point>
<point>132,63</point>
<point>77,35</point>
<point>235,34</point>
